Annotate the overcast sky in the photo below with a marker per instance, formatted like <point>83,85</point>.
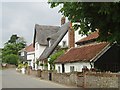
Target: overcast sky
<point>20,18</point>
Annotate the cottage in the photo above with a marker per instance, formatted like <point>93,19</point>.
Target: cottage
<point>90,54</point>
<point>40,42</point>
<point>28,55</point>
<point>48,38</point>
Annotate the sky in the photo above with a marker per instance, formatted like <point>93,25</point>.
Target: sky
<point>20,18</point>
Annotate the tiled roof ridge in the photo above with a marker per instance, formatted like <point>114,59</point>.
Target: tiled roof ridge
<point>36,25</point>
<point>91,36</point>
<point>87,45</point>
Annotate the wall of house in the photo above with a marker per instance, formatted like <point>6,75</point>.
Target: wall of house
<point>38,51</point>
<point>77,66</point>
<point>22,53</point>
<point>65,38</point>
<point>31,58</point>
<point>77,37</point>
<point>57,69</point>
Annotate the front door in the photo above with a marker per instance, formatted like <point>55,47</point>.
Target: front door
<point>63,68</point>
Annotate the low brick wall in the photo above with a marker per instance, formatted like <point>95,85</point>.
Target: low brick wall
<point>33,73</point>
<point>44,75</point>
<point>101,80</point>
<point>78,79</point>
<point>73,79</point>
<point>86,80</point>
<point>62,78</point>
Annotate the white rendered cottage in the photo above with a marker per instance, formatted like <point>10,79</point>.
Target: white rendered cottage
<point>47,38</point>
<point>28,55</point>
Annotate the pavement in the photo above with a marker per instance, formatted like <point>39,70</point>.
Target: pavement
<point>13,79</point>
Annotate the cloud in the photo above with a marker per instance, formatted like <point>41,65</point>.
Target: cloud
<point>20,18</point>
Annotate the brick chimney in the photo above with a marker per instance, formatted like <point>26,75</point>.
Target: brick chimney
<point>71,37</point>
<point>62,20</point>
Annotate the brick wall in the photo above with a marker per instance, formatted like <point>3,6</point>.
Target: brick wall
<point>86,80</point>
<point>101,80</point>
<point>44,75</point>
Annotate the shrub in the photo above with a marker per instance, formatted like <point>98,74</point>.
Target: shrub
<point>11,59</point>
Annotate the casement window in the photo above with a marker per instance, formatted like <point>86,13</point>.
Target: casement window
<point>64,43</point>
<point>72,68</point>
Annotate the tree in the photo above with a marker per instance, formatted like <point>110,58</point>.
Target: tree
<point>13,39</point>
<point>11,59</point>
<point>104,16</point>
<point>11,48</point>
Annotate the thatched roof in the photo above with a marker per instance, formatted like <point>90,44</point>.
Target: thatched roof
<point>42,32</point>
<point>55,39</point>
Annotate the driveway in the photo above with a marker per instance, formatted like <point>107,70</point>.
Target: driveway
<point>13,79</point>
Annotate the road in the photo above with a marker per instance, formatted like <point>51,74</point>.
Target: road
<point>13,79</point>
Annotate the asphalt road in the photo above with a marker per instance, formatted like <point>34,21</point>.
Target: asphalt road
<point>13,79</point>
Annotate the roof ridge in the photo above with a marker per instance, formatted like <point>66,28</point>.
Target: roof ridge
<point>36,25</point>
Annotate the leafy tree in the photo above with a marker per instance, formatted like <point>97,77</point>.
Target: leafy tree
<point>11,48</point>
<point>13,39</point>
<point>53,57</point>
<point>89,16</point>
<point>11,59</point>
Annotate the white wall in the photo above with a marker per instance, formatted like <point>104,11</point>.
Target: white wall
<point>56,67</point>
<point>38,51</point>
<point>31,56</point>
<point>77,38</point>
<point>22,53</point>
<point>65,38</point>
<point>77,66</point>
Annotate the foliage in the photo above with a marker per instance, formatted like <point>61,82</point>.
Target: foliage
<point>53,57</point>
<point>104,16</point>
<point>20,65</point>
<point>46,65</point>
<point>11,59</point>
<point>41,64</point>
<point>26,64</point>
<point>37,62</point>
<point>11,48</point>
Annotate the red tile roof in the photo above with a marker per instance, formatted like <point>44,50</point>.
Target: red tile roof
<point>29,48</point>
<point>93,35</point>
<point>84,53</point>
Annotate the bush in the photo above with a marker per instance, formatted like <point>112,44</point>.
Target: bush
<point>11,59</point>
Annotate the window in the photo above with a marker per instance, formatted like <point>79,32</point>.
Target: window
<point>58,69</point>
<point>71,68</point>
<point>64,44</point>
